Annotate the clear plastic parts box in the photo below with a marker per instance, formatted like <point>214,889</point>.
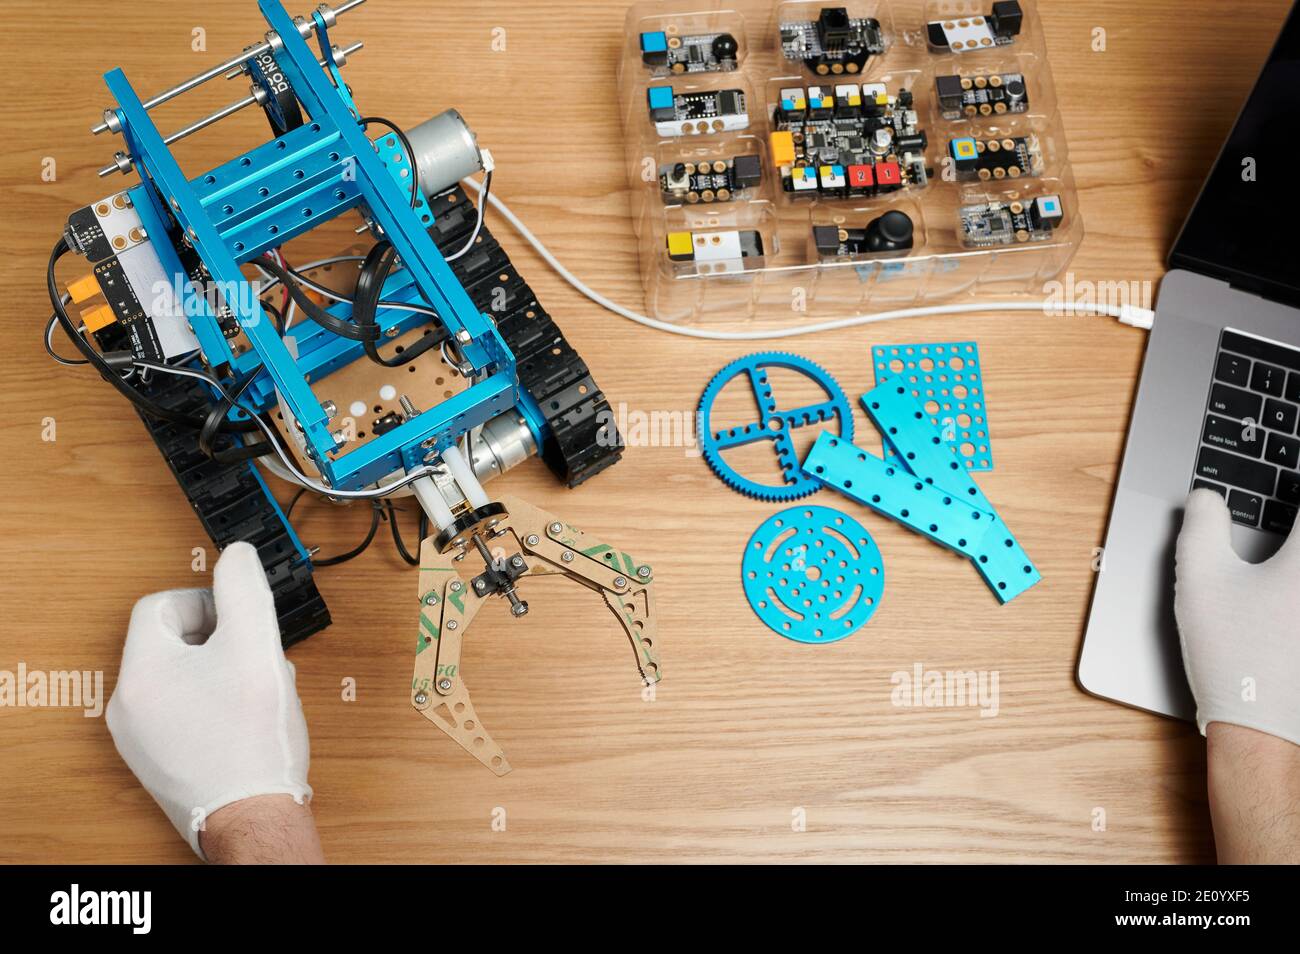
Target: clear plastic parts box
<point>834,158</point>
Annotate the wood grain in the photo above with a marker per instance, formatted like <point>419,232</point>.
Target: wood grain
<point>746,727</point>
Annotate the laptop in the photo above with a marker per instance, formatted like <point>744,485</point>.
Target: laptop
<point>1219,401</point>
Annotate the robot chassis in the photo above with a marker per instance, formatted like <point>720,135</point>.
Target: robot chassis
<point>528,392</point>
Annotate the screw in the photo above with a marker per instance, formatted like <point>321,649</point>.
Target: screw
<point>619,582</point>
<point>643,572</point>
<point>431,600</point>
<point>555,527</point>
<point>455,586</point>
<point>421,698</point>
<point>516,561</point>
<point>567,556</point>
<point>452,624</point>
<point>444,684</point>
<point>532,540</point>
<point>479,585</point>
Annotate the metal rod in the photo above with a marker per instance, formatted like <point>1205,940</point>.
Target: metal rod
<point>304,28</point>
<point>216,117</point>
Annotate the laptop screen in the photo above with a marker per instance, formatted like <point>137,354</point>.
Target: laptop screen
<point>1245,227</point>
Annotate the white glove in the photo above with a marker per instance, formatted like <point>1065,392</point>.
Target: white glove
<point>1239,624</point>
<point>205,711</point>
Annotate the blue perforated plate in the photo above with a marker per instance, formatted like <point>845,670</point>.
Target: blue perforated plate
<point>813,574</point>
<point>946,378</point>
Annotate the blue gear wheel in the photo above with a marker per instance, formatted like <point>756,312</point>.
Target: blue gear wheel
<point>773,425</point>
<point>812,574</point>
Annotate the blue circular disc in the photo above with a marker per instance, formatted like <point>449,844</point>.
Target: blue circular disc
<point>813,574</point>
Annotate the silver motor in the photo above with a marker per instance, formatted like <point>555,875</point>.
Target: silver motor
<point>446,151</point>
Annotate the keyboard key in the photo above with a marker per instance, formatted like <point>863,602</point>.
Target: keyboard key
<point>1232,435</point>
<point>1282,451</point>
<point>1234,402</point>
<point>1261,350</point>
<point>1245,508</point>
<point>1233,368</point>
<point>1278,517</point>
<point>1288,488</point>
<point>1293,387</point>
<point>1280,416</point>
<point>1236,471</point>
<point>1268,379</point>
<point>1199,484</point>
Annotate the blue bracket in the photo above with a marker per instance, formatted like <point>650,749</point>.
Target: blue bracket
<point>927,490</point>
<point>946,378</point>
<point>891,491</point>
<point>902,420</point>
<point>266,197</point>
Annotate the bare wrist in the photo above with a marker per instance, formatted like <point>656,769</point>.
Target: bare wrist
<point>263,830</point>
<point>1254,787</point>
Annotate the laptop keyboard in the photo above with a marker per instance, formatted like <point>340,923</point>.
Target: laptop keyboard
<point>1250,442</point>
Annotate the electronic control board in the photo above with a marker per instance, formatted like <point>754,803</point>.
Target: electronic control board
<point>1010,223</point>
<point>847,141</point>
<point>968,97</point>
<point>719,180</point>
<point>988,159</point>
<point>667,53</point>
<point>834,43</point>
<point>969,34</point>
<point>696,113</point>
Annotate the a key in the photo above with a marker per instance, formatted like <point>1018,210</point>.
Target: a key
<point>1280,416</point>
<point>1282,451</point>
<point>1234,402</point>
<point>1268,379</point>
<point>1237,471</point>
<point>1245,508</point>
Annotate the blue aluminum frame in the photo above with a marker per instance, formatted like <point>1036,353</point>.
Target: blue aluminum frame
<point>276,192</point>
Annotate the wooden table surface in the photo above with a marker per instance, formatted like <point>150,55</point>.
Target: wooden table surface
<point>746,729</point>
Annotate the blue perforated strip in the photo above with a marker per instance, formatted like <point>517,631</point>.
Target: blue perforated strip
<point>891,491</point>
<point>1004,564</point>
<point>946,378</point>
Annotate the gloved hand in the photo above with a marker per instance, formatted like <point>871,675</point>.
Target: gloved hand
<point>205,711</point>
<point>1239,624</point>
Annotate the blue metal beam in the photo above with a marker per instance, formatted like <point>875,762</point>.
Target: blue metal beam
<point>389,207</point>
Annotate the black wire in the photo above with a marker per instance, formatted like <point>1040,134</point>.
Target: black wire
<point>405,554</point>
<point>375,510</point>
<point>45,339</point>
<point>342,328</point>
<point>211,426</point>
<point>141,401</point>
<point>365,303</point>
<point>410,153</point>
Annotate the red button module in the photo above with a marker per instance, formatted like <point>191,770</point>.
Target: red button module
<point>888,174</point>
<point>860,177</point>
